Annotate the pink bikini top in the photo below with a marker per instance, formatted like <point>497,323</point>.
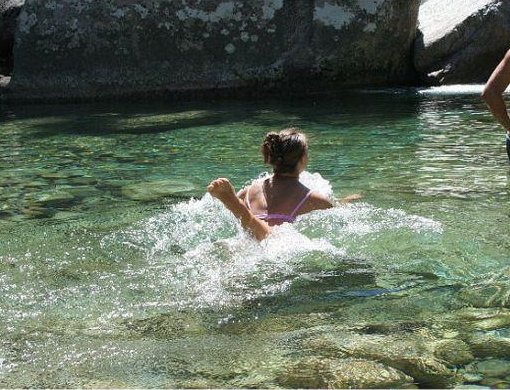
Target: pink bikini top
<point>278,219</point>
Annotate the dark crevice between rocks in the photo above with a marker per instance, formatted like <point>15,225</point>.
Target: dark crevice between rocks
<point>9,13</point>
<point>8,25</point>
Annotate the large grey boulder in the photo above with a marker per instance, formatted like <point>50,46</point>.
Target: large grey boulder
<point>461,41</point>
<point>9,11</point>
<point>85,49</point>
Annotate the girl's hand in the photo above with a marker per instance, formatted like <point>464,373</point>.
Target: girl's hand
<point>222,189</point>
<point>225,192</point>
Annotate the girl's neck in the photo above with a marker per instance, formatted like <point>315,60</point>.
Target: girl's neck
<point>286,176</point>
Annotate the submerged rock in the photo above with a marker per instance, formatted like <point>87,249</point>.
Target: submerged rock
<point>82,49</point>
<point>166,326</point>
<point>413,354</point>
<point>461,41</point>
<point>35,211</point>
<point>153,190</point>
<point>474,319</point>
<point>494,368</point>
<point>56,198</point>
<point>489,345</point>
<point>490,292</point>
<point>320,373</point>
<point>453,352</point>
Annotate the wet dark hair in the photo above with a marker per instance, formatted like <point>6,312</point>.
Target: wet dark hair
<point>283,150</point>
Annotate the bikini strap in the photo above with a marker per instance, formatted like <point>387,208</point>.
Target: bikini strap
<point>247,198</point>
<point>296,209</point>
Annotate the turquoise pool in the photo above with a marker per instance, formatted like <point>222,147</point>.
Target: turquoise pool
<point>117,271</point>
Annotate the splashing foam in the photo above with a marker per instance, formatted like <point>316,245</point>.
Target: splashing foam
<point>456,89</point>
<point>205,259</point>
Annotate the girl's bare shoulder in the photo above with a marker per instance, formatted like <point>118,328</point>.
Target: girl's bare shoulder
<point>318,201</point>
<point>253,189</point>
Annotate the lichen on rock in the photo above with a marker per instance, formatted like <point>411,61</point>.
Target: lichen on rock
<point>82,49</point>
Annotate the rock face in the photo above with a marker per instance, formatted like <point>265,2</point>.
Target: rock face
<point>9,11</point>
<point>85,49</point>
<point>461,41</point>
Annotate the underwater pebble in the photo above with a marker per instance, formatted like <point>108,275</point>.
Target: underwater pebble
<point>471,377</point>
<point>67,215</point>
<point>314,372</point>
<point>483,319</point>
<point>54,198</point>
<point>52,175</point>
<point>166,326</point>
<point>493,383</point>
<point>36,184</point>
<point>83,180</point>
<point>453,352</point>
<point>494,368</point>
<point>450,334</point>
<point>105,384</point>
<point>488,295</point>
<point>37,212</point>
<point>412,354</point>
<point>84,192</point>
<point>147,191</point>
<point>113,183</point>
<point>483,346</point>
<point>197,384</point>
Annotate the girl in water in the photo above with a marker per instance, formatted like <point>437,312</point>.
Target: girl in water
<point>279,198</point>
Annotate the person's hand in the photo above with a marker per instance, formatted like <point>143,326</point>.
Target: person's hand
<point>222,189</point>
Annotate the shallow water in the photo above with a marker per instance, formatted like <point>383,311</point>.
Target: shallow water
<point>117,271</point>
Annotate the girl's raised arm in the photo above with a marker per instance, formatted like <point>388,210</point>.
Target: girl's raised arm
<point>224,191</point>
<point>493,92</point>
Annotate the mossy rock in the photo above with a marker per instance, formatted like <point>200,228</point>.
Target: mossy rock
<point>412,354</point>
<point>315,373</point>
<point>453,352</point>
<point>488,345</point>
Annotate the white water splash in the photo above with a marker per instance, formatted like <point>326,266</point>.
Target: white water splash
<point>456,89</point>
<point>204,258</point>
<point>198,255</point>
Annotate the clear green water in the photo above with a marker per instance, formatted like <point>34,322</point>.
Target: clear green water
<point>116,271</point>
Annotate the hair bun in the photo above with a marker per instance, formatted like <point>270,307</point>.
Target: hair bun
<point>272,138</point>
<point>283,150</point>
<point>273,146</point>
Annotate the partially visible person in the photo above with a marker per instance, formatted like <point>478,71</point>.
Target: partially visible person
<point>279,198</point>
<point>493,96</point>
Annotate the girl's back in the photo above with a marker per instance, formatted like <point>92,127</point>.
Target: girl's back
<point>280,199</point>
